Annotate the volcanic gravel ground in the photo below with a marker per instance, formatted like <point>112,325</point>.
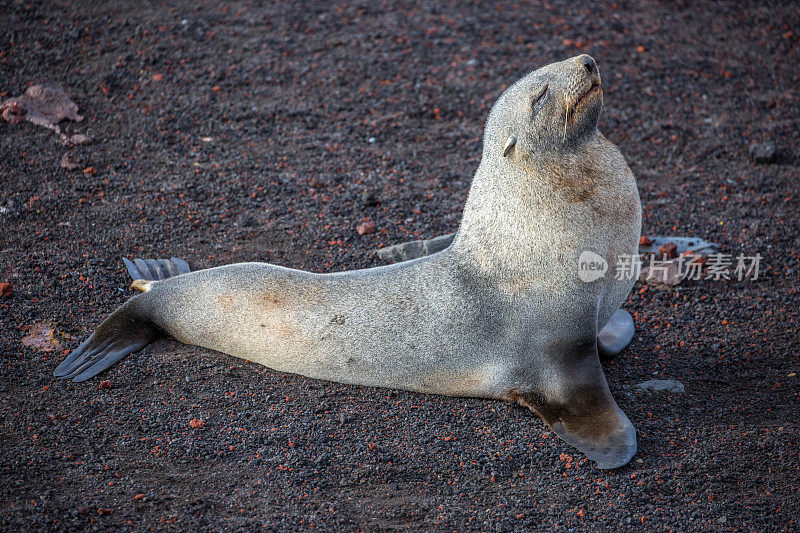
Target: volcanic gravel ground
<point>239,132</point>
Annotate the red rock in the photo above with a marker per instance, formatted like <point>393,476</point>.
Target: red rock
<point>196,423</point>
<point>367,228</point>
<point>139,497</point>
<point>645,241</point>
<point>105,384</point>
<point>14,113</point>
<point>104,511</point>
<point>90,171</point>
<point>670,250</point>
<point>6,290</point>
<point>693,257</point>
<point>581,513</point>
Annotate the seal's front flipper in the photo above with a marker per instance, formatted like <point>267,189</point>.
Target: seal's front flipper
<point>120,335</point>
<point>616,335</point>
<point>599,429</point>
<point>574,400</point>
<point>155,269</point>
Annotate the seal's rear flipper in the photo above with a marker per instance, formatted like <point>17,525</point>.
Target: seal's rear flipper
<point>155,269</point>
<point>616,335</point>
<point>120,335</point>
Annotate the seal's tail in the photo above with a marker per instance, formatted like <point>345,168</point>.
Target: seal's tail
<point>126,331</point>
<point>121,334</point>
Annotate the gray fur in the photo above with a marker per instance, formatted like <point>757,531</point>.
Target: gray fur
<point>500,313</point>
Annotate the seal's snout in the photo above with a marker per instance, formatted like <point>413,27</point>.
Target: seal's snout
<point>589,67</point>
<point>588,63</point>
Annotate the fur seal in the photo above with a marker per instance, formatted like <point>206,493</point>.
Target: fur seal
<point>499,313</point>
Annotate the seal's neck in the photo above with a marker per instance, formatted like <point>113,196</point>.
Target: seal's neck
<point>516,201</point>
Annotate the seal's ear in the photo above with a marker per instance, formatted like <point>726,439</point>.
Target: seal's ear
<point>510,143</point>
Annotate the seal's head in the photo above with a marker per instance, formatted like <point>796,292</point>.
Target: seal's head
<point>554,108</point>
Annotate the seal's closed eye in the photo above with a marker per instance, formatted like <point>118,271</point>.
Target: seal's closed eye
<point>539,99</point>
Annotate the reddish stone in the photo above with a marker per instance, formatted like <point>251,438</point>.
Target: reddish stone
<point>196,423</point>
<point>90,171</point>
<point>645,241</point>
<point>104,511</point>
<point>670,250</point>
<point>367,228</point>
<point>14,113</point>
<point>6,290</point>
<point>105,384</point>
<point>693,257</point>
<point>139,497</point>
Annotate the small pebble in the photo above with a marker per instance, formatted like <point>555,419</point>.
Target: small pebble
<point>693,257</point>
<point>80,139</point>
<point>369,199</point>
<point>670,250</point>
<point>70,162</point>
<point>367,228</point>
<point>662,385</point>
<point>14,113</point>
<point>763,152</point>
<point>196,423</point>
<point>6,290</point>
